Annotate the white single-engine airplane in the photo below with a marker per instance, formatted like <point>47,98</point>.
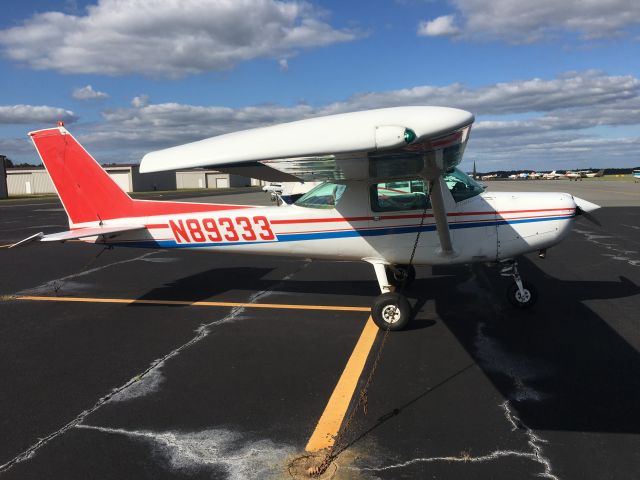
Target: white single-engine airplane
<point>391,196</point>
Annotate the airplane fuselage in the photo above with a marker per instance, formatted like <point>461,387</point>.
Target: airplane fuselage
<point>487,227</point>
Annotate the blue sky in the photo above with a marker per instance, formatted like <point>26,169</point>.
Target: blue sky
<point>553,84</point>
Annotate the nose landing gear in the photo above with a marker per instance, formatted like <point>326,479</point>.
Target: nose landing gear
<point>520,294</point>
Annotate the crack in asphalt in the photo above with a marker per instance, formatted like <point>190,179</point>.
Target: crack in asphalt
<point>57,284</point>
<point>201,333</point>
<point>619,254</point>
<point>534,441</point>
<point>239,457</point>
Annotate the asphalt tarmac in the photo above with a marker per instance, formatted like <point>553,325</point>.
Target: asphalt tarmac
<point>231,379</point>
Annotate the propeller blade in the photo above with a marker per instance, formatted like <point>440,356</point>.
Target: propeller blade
<point>584,208</point>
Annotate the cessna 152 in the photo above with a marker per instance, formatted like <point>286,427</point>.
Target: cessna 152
<point>391,196</point>
<point>551,175</point>
<point>579,175</point>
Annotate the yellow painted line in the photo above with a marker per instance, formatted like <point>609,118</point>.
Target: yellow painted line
<point>333,415</point>
<point>129,301</point>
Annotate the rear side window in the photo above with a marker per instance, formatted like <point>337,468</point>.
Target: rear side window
<point>399,195</point>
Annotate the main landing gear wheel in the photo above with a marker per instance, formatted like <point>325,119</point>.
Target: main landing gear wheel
<point>401,275</point>
<point>391,311</point>
<point>524,299</point>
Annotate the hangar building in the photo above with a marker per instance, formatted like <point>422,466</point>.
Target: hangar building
<point>35,181</point>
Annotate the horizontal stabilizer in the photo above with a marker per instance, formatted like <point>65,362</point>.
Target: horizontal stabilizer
<point>89,232</point>
<point>33,238</point>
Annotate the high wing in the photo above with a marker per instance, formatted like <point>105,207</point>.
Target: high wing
<point>372,144</point>
<point>333,147</point>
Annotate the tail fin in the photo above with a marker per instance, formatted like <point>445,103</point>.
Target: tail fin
<point>87,192</point>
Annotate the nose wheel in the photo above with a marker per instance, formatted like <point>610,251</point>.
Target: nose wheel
<point>520,294</point>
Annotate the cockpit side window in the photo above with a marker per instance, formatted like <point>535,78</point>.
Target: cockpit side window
<point>325,195</point>
<point>461,185</point>
<point>399,195</point>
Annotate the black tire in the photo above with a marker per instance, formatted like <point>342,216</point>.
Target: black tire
<point>391,311</point>
<point>396,277</point>
<point>514,297</point>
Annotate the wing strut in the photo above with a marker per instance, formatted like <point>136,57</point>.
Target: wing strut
<point>436,189</point>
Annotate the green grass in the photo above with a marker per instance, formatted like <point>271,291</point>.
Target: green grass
<point>34,196</point>
<point>612,178</point>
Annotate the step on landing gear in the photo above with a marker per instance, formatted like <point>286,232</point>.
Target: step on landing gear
<point>401,275</point>
<point>520,294</point>
<point>391,310</point>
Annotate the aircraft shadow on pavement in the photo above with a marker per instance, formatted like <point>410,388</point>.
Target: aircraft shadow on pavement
<point>207,284</point>
<point>560,364</point>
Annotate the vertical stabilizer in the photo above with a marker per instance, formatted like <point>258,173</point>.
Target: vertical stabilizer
<point>87,192</point>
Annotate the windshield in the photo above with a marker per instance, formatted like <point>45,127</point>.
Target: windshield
<point>325,195</point>
<point>461,185</point>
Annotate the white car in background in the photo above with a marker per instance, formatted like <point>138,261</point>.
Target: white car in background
<point>272,187</point>
<point>287,193</point>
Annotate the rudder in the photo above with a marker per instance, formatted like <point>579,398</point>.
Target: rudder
<point>87,192</point>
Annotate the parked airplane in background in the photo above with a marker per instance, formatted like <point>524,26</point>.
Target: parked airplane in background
<point>573,175</point>
<point>534,175</point>
<point>599,173</point>
<point>579,175</point>
<point>489,177</point>
<point>391,196</point>
<point>551,175</point>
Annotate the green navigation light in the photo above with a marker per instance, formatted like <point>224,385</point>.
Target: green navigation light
<point>409,135</point>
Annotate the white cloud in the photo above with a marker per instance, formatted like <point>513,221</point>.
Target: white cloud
<point>519,96</point>
<point>31,114</point>
<point>168,38</point>
<point>559,117</point>
<point>284,64</point>
<point>140,101</point>
<point>580,119</point>
<point>524,22</point>
<point>88,93</point>
<point>17,148</point>
<point>439,27</point>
